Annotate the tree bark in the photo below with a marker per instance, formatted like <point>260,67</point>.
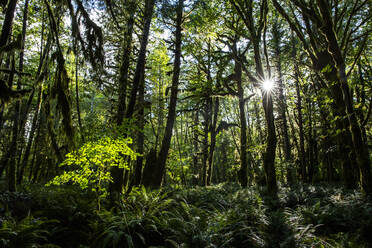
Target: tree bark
<point>269,155</point>
<point>39,139</point>
<point>12,176</point>
<point>271,140</point>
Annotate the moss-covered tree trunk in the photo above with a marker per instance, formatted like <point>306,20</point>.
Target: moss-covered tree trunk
<point>10,159</point>
<point>195,143</point>
<point>207,120</point>
<point>137,174</point>
<point>243,178</point>
<point>125,63</point>
<point>216,107</point>
<point>301,151</point>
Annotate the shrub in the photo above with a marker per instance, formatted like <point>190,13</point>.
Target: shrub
<point>89,167</point>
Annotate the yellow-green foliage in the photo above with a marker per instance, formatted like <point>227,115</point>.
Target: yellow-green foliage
<point>89,167</point>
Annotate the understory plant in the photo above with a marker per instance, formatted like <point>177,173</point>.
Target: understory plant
<point>223,216</point>
<point>89,167</point>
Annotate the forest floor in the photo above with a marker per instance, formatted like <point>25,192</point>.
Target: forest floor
<point>218,216</point>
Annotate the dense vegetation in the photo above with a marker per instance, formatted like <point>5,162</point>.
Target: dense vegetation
<point>215,216</point>
<point>185,123</point>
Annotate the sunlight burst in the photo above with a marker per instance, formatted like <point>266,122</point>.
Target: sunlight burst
<point>268,84</point>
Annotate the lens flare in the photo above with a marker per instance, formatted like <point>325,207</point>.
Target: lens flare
<point>268,84</point>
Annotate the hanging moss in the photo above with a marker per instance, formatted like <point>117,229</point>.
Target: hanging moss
<point>61,81</point>
<point>50,128</point>
<point>63,100</point>
<point>7,94</point>
<point>92,45</point>
<point>94,36</point>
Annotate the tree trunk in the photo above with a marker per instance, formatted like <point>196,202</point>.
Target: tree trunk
<point>177,146</point>
<point>216,108</point>
<point>160,110</point>
<point>206,116</point>
<point>125,63</point>
<point>31,138</point>
<point>255,31</point>
<point>242,174</point>
<point>38,140</point>
<point>137,176</point>
<point>282,104</point>
<point>361,149</point>
<point>14,145</point>
<point>259,138</point>
<point>269,155</point>
<point>8,23</point>
<point>195,157</point>
<point>149,9</point>
<point>271,141</point>
<point>50,128</point>
<point>153,173</point>
<point>339,78</point>
<point>311,142</point>
<point>77,92</point>
<point>361,95</point>
<point>118,173</point>
<point>302,154</point>
<point>11,159</point>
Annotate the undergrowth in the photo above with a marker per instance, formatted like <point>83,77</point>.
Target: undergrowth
<point>219,216</point>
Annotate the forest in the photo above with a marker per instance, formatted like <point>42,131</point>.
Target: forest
<point>186,123</point>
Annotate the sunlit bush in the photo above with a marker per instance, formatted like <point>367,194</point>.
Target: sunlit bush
<point>89,167</point>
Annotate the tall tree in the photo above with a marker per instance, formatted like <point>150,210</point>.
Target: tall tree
<point>277,33</point>
<point>148,13</point>
<point>153,173</point>
<point>118,173</point>
<point>246,10</point>
<point>125,63</point>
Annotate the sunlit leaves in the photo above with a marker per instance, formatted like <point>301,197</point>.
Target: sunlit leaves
<point>89,166</point>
